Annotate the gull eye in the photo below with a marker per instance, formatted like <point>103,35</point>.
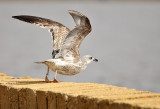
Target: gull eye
<point>90,57</point>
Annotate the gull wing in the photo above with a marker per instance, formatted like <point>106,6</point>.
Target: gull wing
<point>70,48</point>
<point>58,30</point>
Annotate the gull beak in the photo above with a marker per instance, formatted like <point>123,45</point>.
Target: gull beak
<point>96,60</point>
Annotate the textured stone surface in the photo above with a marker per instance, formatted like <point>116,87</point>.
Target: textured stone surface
<point>42,101</point>
<point>28,93</point>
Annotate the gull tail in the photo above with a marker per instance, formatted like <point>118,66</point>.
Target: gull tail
<point>39,62</point>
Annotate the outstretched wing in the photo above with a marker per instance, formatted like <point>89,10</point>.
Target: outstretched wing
<point>70,48</point>
<point>58,31</point>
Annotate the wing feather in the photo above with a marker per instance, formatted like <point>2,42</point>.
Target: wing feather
<point>70,48</point>
<point>58,30</point>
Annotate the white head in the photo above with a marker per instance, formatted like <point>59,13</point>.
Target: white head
<point>87,59</point>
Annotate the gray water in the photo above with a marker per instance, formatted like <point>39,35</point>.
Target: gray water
<point>125,38</point>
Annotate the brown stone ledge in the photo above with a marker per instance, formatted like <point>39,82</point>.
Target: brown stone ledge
<point>28,93</point>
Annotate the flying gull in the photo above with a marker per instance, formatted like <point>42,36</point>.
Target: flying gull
<point>65,56</point>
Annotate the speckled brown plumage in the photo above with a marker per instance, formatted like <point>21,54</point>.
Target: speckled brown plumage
<point>70,48</point>
<point>58,30</point>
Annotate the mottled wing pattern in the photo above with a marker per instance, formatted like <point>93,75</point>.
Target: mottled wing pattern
<point>58,30</point>
<point>70,48</point>
<point>78,18</point>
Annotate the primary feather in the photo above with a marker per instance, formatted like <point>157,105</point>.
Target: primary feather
<point>58,30</point>
<point>70,47</point>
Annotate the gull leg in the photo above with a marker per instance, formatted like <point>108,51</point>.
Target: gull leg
<point>46,78</point>
<point>55,81</point>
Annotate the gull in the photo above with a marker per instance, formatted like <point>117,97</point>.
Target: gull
<point>65,56</point>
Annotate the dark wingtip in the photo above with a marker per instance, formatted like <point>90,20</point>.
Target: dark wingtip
<point>26,18</point>
<point>16,17</point>
<point>13,16</point>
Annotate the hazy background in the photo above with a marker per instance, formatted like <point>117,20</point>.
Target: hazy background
<point>125,38</point>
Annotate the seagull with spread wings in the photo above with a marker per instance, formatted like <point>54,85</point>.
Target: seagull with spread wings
<point>65,56</point>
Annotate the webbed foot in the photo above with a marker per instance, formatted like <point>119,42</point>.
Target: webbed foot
<point>55,81</point>
<point>47,79</point>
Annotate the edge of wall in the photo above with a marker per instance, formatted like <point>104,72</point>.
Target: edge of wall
<point>28,93</point>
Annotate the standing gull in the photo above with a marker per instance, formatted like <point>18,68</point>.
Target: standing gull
<point>66,60</point>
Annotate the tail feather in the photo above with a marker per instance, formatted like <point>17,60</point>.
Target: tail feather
<point>39,62</point>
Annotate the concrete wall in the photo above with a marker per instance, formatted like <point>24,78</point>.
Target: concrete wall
<point>27,93</point>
